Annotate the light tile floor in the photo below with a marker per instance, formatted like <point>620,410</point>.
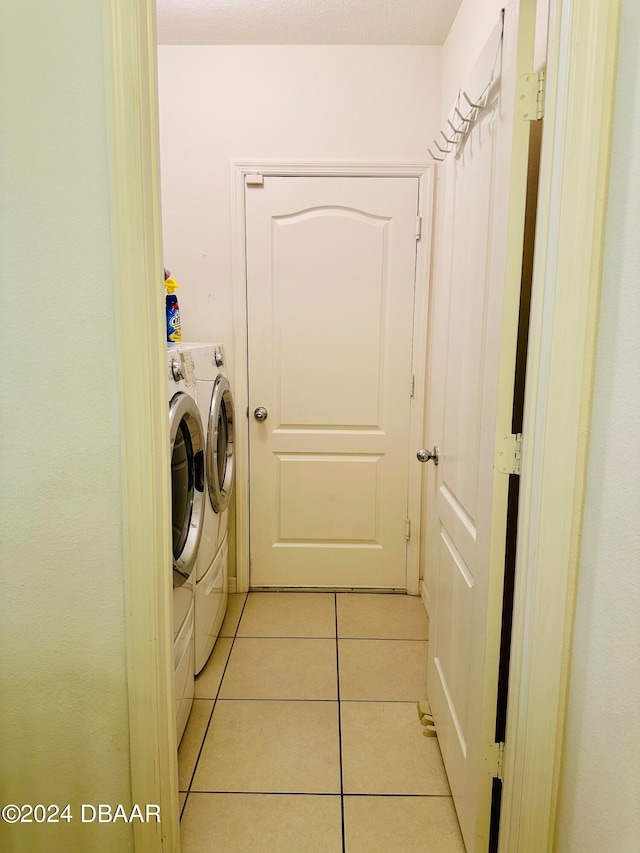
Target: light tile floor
<point>304,734</point>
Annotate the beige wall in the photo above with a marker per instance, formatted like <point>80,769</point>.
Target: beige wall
<point>296,103</point>
<point>63,714</point>
<point>600,787</point>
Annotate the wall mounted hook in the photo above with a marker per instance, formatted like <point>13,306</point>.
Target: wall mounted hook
<point>470,102</point>
<point>465,119</point>
<point>447,140</point>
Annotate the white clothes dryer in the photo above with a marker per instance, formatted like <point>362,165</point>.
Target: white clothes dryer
<point>215,403</point>
<point>188,496</point>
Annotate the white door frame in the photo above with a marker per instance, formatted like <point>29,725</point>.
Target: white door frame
<point>583,38</point>
<point>583,43</point>
<point>132,124</point>
<point>424,174</point>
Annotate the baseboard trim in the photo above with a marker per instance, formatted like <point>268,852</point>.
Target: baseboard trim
<point>350,589</point>
<point>233,584</point>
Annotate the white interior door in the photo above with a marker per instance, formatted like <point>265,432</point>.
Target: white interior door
<point>330,292</point>
<point>475,321</point>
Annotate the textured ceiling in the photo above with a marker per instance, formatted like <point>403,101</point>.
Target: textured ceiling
<point>305,21</point>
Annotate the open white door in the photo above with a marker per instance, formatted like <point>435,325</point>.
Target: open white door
<point>474,336</point>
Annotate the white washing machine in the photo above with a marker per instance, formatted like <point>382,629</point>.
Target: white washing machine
<point>188,497</point>
<point>215,402</point>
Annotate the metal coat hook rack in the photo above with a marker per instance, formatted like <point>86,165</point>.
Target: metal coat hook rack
<point>465,112</point>
<point>465,124</point>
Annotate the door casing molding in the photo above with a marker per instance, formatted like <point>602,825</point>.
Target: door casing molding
<point>134,167</point>
<point>568,257</point>
<point>424,173</point>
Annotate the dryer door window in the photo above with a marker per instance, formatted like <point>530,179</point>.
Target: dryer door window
<point>220,445</point>
<point>182,488</point>
<point>187,484</point>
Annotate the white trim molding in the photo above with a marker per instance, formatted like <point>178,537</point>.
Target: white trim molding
<point>564,312</point>
<point>240,169</point>
<point>130,51</point>
<point>425,596</point>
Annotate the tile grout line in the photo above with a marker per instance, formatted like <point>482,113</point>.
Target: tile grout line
<point>292,699</point>
<point>206,731</point>
<point>356,639</point>
<point>281,637</point>
<point>321,794</point>
<point>335,604</point>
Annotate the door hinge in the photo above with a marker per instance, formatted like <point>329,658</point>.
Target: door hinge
<point>407,529</point>
<point>418,227</point>
<point>412,385</point>
<point>496,760</point>
<point>255,180</point>
<point>509,453</point>
<point>531,96</point>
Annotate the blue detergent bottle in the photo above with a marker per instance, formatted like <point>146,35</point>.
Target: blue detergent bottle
<point>174,332</point>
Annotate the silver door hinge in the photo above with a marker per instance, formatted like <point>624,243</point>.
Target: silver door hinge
<point>255,180</point>
<point>496,760</point>
<point>509,453</point>
<point>531,96</point>
<point>407,529</point>
<point>412,385</point>
<point>418,227</point>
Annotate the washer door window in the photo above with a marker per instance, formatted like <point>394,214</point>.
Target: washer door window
<point>220,445</point>
<point>187,484</point>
